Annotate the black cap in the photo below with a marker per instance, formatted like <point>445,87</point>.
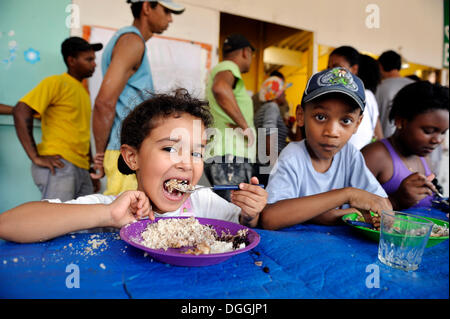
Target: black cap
<point>235,42</point>
<point>72,45</point>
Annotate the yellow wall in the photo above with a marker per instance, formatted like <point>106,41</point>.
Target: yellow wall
<point>261,35</point>
<point>299,77</point>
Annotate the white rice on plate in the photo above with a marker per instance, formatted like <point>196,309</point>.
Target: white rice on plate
<point>187,232</point>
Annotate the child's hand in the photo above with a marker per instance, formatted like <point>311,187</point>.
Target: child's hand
<point>361,199</point>
<point>413,189</point>
<point>129,207</point>
<point>251,199</point>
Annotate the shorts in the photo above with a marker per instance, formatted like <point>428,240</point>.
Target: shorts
<point>69,182</point>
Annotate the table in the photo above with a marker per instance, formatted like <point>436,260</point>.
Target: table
<point>304,261</point>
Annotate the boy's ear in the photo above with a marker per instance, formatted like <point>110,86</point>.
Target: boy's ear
<point>358,122</point>
<point>129,154</point>
<point>300,115</point>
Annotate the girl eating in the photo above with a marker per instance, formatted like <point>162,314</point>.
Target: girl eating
<point>420,113</point>
<point>163,139</point>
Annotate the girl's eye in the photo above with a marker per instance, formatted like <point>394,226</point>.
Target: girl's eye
<point>428,130</point>
<point>170,149</point>
<point>197,154</point>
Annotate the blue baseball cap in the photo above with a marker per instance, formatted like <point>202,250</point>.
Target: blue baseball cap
<point>336,80</point>
<point>169,4</point>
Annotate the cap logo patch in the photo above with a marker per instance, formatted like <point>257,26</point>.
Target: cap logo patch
<point>338,76</point>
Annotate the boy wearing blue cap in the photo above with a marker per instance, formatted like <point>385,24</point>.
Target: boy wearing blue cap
<point>322,177</point>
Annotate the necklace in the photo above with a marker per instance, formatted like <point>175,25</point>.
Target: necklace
<point>416,160</point>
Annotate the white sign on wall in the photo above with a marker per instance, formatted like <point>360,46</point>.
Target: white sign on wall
<point>174,63</point>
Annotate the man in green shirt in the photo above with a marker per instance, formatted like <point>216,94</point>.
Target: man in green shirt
<point>231,156</point>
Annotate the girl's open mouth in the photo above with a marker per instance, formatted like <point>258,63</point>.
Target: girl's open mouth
<point>170,188</point>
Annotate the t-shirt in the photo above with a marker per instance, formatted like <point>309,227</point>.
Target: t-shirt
<point>367,126</point>
<point>225,142</point>
<point>269,117</point>
<point>294,176</point>
<point>65,109</point>
<point>138,88</point>
<point>385,94</point>
<point>202,203</point>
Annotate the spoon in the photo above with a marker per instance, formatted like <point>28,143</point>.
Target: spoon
<point>191,188</point>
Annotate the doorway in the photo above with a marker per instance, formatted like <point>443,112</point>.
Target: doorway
<point>278,48</point>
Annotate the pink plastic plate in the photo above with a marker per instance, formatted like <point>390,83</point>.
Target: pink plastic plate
<point>174,256</point>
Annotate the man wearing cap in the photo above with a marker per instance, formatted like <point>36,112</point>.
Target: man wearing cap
<point>127,81</point>
<point>233,151</point>
<point>60,163</point>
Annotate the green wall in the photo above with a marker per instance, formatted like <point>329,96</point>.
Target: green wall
<point>39,25</point>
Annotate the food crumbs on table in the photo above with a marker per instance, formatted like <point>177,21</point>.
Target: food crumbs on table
<point>266,269</point>
<point>102,265</point>
<point>257,253</point>
<point>15,260</point>
<point>258,263</point>
<point>4,262</point>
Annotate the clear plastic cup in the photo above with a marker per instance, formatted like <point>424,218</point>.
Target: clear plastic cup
<point>403,238</point>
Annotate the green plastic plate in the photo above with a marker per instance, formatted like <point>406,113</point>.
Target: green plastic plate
<point>375,234</point>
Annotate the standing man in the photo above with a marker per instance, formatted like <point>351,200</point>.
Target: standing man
<point>233,152</point>
<point>60,164</point>
<point>127,80</point>
<point>390,64</point>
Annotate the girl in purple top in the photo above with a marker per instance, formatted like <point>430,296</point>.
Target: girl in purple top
<point>420,113</point>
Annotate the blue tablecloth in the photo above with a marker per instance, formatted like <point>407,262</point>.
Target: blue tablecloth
<point>304,261</point>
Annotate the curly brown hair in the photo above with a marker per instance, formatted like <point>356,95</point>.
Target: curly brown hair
<point>140,122</point>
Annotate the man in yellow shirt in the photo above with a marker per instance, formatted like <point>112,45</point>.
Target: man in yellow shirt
<point>60,163</point>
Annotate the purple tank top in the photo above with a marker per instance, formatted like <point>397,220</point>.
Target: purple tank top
<point>401,172</point>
